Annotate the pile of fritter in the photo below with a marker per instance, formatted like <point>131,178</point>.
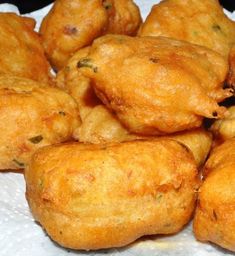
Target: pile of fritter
<point>132,136</point>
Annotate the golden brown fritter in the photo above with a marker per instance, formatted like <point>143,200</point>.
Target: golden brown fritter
<point>101,196</point>
<point>21,50</point>
<point>198,22</point>
<point>215,215</point>
<point>199,141</point>
<point>32,116</point>
<point>224,129</point>
<point>156,85</point>
<point>72,25</point>
<point>124,17</point>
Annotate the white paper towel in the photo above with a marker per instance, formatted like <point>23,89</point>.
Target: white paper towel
<point>21,236</point>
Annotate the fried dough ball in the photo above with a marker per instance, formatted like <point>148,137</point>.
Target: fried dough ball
<point>215,216</point>
<point>156,85</point>
<point>224,129</point>
<point>198,22</point>
<point>101,196</point>
<point>199,141</point>
<point>32,116</point>
<point>72,25</point>
<point>21,50</point>
<point>124,17</point>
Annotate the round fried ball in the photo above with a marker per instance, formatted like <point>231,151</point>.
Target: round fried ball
<point>32,115</point>
<point>101,196</point>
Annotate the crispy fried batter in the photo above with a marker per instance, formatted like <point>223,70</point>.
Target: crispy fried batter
<point>215,214</point>
<point>91,197</point>
<point>79,87</point>
<point>21,50</point>
<point>231,75</point>
<point>156,85</point>
<point>72,25</point>
<point>224,129</point>
<point>198,22</point>
<point>124,17</point>
<point>32,116</point>
<point>199,141</point>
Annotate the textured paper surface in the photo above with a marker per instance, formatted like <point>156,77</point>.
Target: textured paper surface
<point>21,236</point>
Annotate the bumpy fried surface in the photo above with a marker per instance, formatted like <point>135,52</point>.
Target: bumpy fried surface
<point>215,214</point>
<point>156,85</point>
<point>224,129</point>
<point>21,50</point>
<point>199,141</point>
<point>72,25</point>
<point>32,116</point>
<point>79,87</point>
<point>101,126</point>
<point>198,22</point>
<point>124,17</point>
<point>92,197</point>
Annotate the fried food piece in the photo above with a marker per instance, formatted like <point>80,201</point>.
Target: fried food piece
<point>82,193</point>
<point>124,17</point>
<point>224,129</point>
<point>215,216</point>
<point>101,126</point>
<point>78,86</point>
<point>21,50</point>
<point>32,116</point>
<point>156,85</point>
<point>198,22</point>
<point>72,25</point>
<point>199,141</point>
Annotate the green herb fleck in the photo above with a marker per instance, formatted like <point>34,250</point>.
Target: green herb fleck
<point>20,164</point>
<point>36,139</point>
<point>107,5</point>
<point>216,27</point>
<point>159,197</point>
<point>87,64</point>
<point>62,113</point>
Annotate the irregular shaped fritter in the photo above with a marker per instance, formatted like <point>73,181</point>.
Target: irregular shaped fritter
<point>124,17</point>
<point>198,22</point>
<point>199,141</point>
<point>156,85</point>
<point>215,214</point>
<point>32,116</point>
<point>72,25</point>
<point>99,125</point>
<point>101,196</point>
<point>224,129</point>
<point>21,50</point>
